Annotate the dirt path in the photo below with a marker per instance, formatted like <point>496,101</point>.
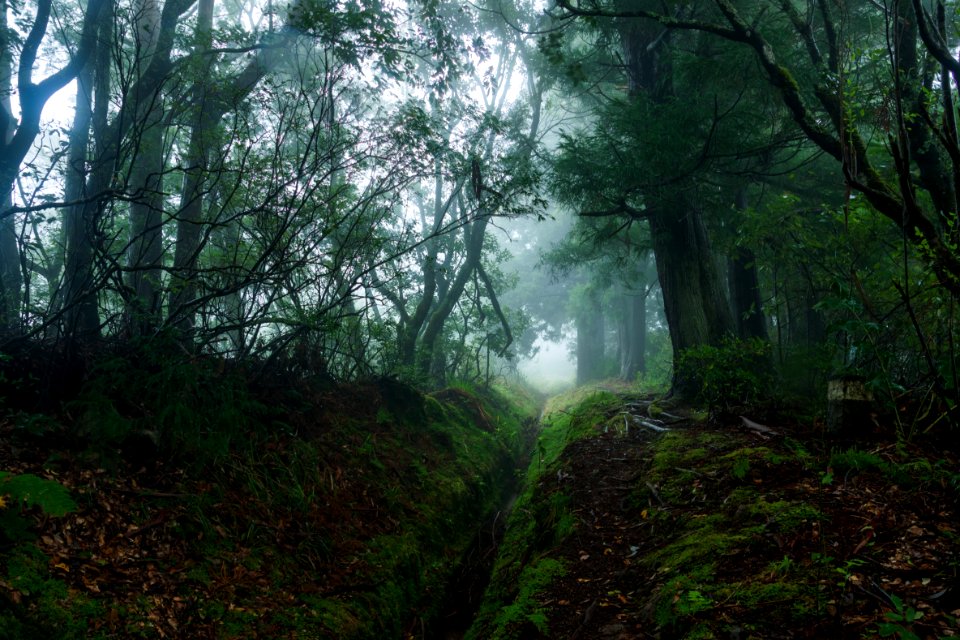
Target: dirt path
<point>727,530</point>
<point>596,598</point>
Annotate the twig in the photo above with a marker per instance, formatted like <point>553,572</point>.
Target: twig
<point>656,494</point>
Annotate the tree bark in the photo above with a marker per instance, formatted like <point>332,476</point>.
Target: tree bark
<point>745,295</point>
<point>81,318</point>
<point>145,250</point>
<point>633,348</point>
<point>10,275</point>
<point>590,340</point>
<point>693,299</point>
<point>474,233</point>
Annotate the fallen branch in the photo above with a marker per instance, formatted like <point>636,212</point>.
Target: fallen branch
<point>756,427</point>
<point>650,425</point>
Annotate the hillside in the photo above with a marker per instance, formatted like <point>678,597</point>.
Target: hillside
<point>310,510</point>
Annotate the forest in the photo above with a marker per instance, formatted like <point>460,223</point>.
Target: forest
<point>279,282</point>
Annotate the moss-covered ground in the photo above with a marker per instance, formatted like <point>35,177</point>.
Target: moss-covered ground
<point>720,531</point>
<point>308,510</point>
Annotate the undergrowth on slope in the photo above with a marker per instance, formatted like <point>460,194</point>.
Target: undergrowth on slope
<point>266,511</point>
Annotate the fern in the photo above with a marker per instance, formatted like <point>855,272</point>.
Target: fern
<point>52,497</point>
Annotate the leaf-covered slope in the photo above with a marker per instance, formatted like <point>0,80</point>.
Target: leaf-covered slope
<point>345,519</point>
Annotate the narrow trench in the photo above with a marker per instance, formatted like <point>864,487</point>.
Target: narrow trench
<point>465,592</point>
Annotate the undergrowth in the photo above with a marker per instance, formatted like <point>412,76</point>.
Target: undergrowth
<point>277,510</point>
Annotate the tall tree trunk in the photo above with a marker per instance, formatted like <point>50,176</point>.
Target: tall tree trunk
<point>81,317</point>
<point>590,340</point>
<point>634,336</point>
<point>145,252</point>
<point>184,285</point>
<point>474,233</point>
<point>745,295</point>
<point>693,299</point>
<point>75,180</point>
<point>10,275</point>
<point>414,323</point>
<point>744,285</point>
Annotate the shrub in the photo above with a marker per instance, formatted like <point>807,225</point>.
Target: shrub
<point>735,373</point>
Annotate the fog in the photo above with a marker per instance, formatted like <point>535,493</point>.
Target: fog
<point>552,369</point>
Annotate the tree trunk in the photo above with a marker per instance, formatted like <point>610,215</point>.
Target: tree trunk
<point>745,295</point>
<point>634,337</point>
<point>693,300</point>
<point>145,252</point>
<point>10,275</point>
<point>81,317</point>
<point>590,340</point>
<point>413,325</point>
<point>745,287</point>
<point>473,239</point>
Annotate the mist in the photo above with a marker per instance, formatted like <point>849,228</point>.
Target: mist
<point>551,369</point>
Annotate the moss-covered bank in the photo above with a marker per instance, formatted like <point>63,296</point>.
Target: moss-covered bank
<point>325,512</point>
<point>539,522</point>
<point>709,531</point>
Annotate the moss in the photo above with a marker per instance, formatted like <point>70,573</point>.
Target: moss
<point>525,610</point>
<point>540,519</point>
<point>48,608</point>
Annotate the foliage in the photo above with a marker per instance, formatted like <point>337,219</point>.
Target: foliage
<point>197,408</point>
<point>898,622</point>
<point>27,490</point>
<point>730,376</point>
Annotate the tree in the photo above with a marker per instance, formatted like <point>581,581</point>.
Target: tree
<point>817,94</point>
<point>19,133</point>
<point>658,177</point>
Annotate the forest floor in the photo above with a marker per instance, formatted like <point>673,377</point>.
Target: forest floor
<point>343,516</point>
<point>642,520</point>
<point>718,530</point>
